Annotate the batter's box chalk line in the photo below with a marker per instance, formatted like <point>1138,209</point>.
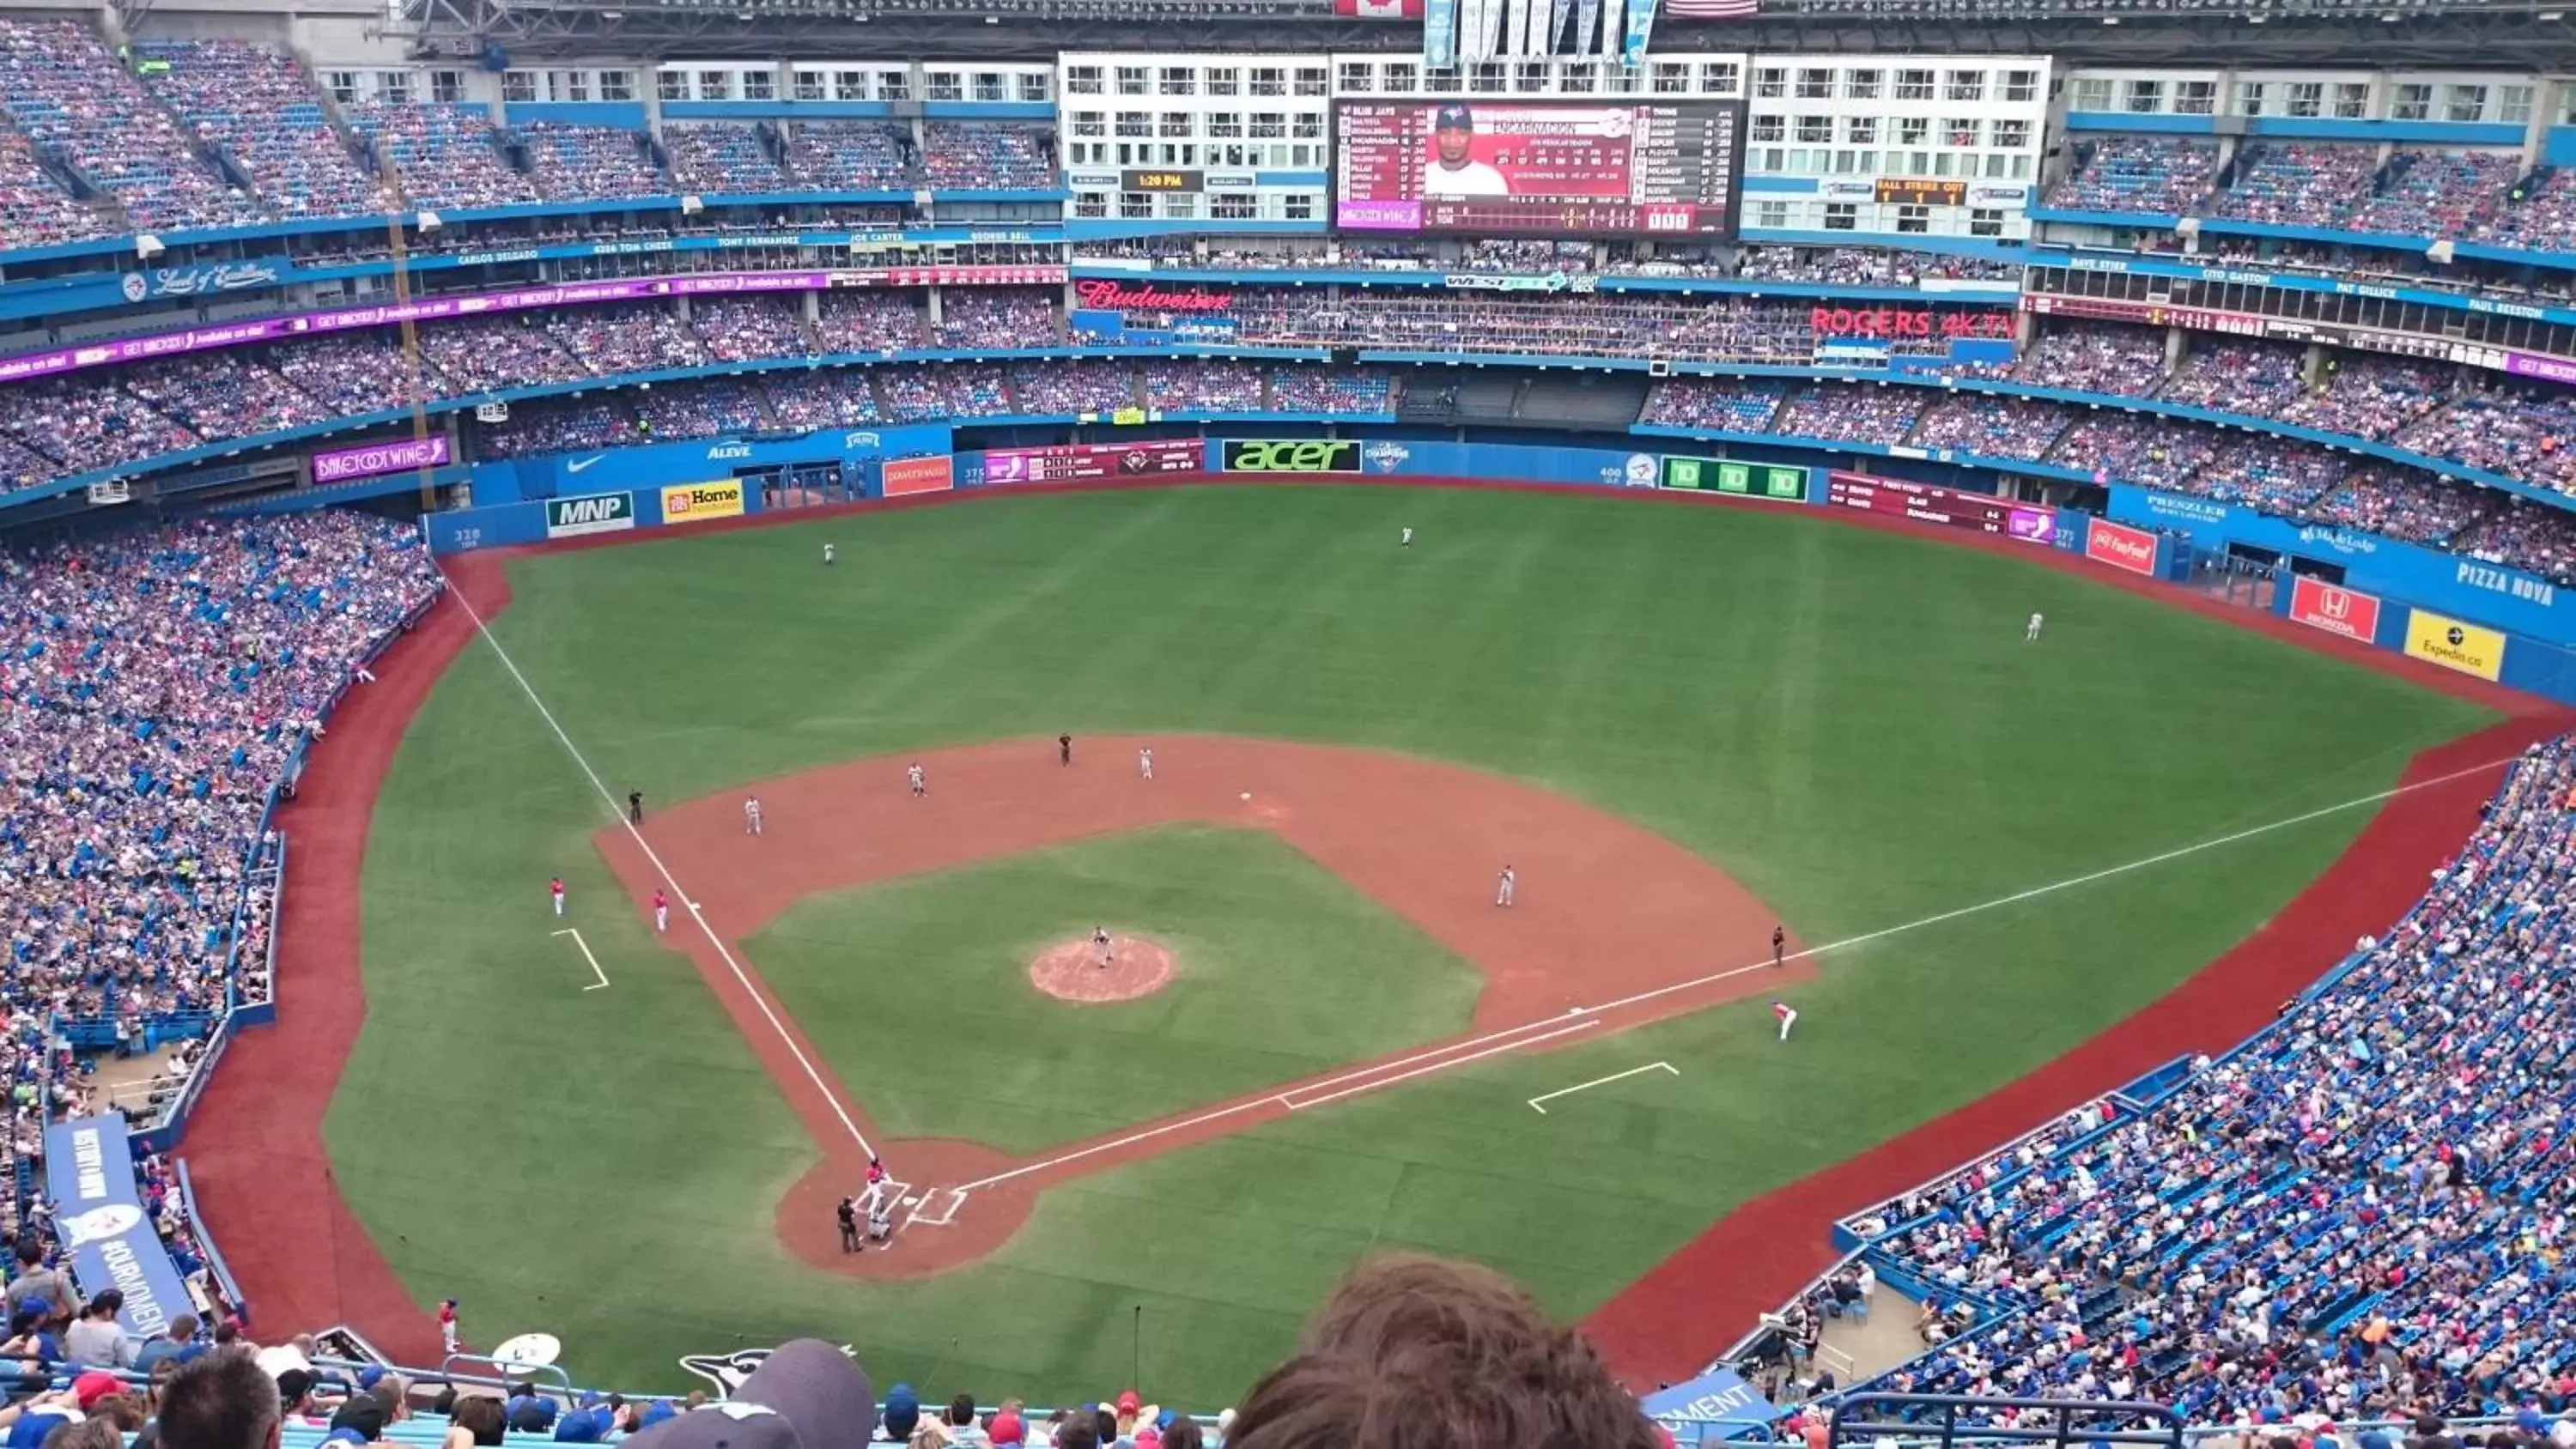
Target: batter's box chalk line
<point>947,1211</point>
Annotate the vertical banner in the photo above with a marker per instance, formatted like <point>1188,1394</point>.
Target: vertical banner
<point>1556,13</point>
<point>1587,16</point>
<point>1439,34</point>
<point>89,1173</point>
<point>1641,29</point>
<point>1516,34</point>
<point>1614,28</point>
<point>1489,29</point>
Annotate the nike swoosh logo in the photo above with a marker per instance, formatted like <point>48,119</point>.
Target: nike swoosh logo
<point>584,463</point>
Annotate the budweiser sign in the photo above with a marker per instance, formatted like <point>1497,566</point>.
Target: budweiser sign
<point>1107,295</point>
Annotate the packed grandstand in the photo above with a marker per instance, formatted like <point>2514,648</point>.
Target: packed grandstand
<point>2357,1218</point>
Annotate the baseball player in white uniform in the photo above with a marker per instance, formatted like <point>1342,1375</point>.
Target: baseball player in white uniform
<point>920,783</point>
<point>751,815</point>
<point>1404,539</point>
<point>2031,634</point>
<point>1503,888</point>
<point>1145,764</point>
<point>831,553</point>
<point>1100,944</point>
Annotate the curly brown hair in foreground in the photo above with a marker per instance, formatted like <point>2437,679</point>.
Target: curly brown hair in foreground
<point>1422,1353</point>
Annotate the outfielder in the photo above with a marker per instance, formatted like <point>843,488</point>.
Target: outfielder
<point>1405,539</point>
<point>919,782</point>
<point>831,554</point>
<point>1503,888</point>
<point>751,815</point>
<point>2031,634</point>
<point>1145,764</point>
<point>1788,1017</point>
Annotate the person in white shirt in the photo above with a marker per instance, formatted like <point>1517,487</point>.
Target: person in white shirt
<point>1453,170</point>
<point>2031,634</point>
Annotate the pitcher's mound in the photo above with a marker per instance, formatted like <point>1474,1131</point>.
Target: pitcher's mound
<point>1071,970</point>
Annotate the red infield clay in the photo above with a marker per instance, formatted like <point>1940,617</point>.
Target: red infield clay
<point>1605,910</point>
<point>264,1183</point>
<point>1081,971</point>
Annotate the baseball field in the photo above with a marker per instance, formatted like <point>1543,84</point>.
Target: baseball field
<point>1679,724</point>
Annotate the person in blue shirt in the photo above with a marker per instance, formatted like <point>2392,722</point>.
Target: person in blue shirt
<point>529,1412</point>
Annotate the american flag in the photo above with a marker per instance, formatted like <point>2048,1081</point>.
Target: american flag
<point>1712,9</point>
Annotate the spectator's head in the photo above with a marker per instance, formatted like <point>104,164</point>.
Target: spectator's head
<point>30,1252</point>
<point>183,1329</point>
<point>295,1389</point>
<point>1080,1432</point>
<point>221,1401</point>
<point>90,1433</point>
<point>1183,1433</point>
<point>1468,1354</point>
<point>805,1395</point>
<point>961,1411</point>
<point>105,1306</point>
<point>480,1416</point>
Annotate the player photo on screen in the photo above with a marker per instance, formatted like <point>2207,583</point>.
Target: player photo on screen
<point>1453,170</point>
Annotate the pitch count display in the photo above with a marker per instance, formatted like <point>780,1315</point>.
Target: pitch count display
<point>1498,167</point>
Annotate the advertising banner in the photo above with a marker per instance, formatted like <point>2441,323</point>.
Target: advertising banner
<point>2334,608</point>
<point>367,460</point>
<point>1718,1404</point>
<point>1785,483</point>
<point>904,477</point>
<point>596,513</point>
<point>2440,639</point>
<point>2120,546</point>
<point>1075,461</point>
<point>698,502</point>
<point>1293,455</point>
<point>89,1175</point>
<point>2396,572</point>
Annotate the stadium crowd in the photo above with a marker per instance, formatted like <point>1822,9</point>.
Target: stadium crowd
<point>2357,1216</point>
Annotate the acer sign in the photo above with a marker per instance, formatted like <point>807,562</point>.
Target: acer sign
<point>1302,455</point>
<point>1107,294</point>
<point>2120,546</point>
<point>2334,608</point>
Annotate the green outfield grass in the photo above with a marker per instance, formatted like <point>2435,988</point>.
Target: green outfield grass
<point>1847,720</point>
<point>1263,935</point>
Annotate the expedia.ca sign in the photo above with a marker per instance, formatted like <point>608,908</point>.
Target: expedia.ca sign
<point>1299,455</point>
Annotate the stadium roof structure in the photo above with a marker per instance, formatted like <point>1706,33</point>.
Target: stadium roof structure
<point>2371,33</point>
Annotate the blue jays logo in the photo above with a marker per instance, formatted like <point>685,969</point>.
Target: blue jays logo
<point>727,1371</point>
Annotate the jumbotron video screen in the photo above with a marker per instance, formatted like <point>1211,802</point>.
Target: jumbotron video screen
<point>1534,169</point>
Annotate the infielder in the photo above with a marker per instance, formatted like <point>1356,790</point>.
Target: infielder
<point>447,1324</point>
<point>2031,634</point>
<point>1788,1017</point>
<point>1100,943</point>
<point>661,911</point>
<point>751,815</point>
<point>919,782</point>
<point>1503,888</point>
<point>1145,764</point>
<point>554,889</point>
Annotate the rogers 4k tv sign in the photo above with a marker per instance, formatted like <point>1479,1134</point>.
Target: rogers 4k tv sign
<point>1298,455</point>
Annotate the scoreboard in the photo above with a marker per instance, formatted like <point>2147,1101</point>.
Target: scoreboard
<point>1537,168</point>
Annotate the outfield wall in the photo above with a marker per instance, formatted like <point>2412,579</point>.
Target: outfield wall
<point>2483,620</point>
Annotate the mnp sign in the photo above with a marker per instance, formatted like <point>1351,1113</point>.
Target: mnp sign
<point>595,513</point>
<point>1291,455</point>
<point>2440,639</point>
<point>89,1173</point>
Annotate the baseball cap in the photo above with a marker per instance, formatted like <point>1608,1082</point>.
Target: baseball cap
<point>1129,1403</point>
<point>1453,117</point>
<point>88,1389</point>
<point>371,1375</point>
<point>805,1395</point>
<point>1008,1430</point>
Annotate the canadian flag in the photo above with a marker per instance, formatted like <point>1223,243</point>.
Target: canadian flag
<point>1378,9</point>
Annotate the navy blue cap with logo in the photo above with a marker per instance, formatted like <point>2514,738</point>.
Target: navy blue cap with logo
<point>806,1395</point>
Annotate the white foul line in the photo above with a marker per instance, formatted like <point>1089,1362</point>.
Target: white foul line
<point>1371,1078</point>
<point>1599,1082</point>
<point>586,956</point>
<point>741,977</point>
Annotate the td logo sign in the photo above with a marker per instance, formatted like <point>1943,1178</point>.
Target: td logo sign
<point>1299,455</point>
